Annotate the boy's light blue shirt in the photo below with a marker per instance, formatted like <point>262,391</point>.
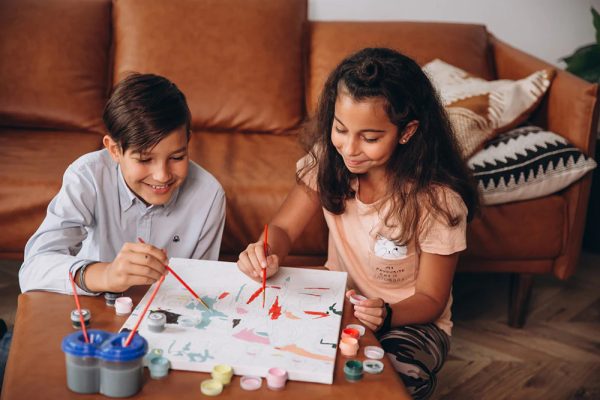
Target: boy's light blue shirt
<point>95,213</point>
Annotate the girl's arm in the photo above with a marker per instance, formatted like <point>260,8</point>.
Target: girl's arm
<point>433,287</point>
<point>289,222</point>
<point>434,284</point>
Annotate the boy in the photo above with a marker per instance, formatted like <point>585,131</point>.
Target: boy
<point>142,185</point>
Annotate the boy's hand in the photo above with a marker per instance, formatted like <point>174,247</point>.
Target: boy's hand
<point>136,264</point>
<point>252,261</point>
<point>371,312</point>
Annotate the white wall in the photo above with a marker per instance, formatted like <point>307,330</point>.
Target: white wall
<point>548,29</point>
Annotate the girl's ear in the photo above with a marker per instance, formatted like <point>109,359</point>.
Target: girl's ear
<point>409,131</point>
<point>113,148</point>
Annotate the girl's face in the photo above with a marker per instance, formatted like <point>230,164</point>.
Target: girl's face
<point>363,134</point>
<point>154,174</point>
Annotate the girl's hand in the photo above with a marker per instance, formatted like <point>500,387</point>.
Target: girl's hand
<point>370,312</point>
<point>136,264</point>
<point>252,261</point>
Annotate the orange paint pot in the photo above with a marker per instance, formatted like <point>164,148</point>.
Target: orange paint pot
<point>349,346</point>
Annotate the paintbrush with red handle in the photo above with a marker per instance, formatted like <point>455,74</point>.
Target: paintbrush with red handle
<point>182,281</point>
<point>264,271</point>
<point>137,324</point>
<point>83,328</point>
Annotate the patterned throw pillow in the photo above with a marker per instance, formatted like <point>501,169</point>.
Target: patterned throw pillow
<point>526,163</point>
<point>480,109</point>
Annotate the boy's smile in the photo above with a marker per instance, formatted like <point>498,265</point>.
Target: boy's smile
<point>153,174</point>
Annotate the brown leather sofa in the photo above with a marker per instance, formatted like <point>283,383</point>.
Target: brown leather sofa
<point>252,71</point>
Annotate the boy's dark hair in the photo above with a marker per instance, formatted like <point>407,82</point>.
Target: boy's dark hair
<point>416,170</point>
<point>143,109</point>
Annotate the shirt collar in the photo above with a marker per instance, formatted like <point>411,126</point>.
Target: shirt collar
<point>126,197</point>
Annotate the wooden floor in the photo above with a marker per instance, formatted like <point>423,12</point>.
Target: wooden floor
<point>556,355</point>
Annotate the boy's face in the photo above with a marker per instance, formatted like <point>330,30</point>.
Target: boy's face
<point>155,173</point>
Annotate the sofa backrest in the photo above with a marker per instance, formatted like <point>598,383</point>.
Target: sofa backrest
<point>53,63</point>
<point>463,45</point>
<point>239,63</point>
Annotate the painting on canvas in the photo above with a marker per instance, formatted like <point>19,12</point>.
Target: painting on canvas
<point>297,329</point>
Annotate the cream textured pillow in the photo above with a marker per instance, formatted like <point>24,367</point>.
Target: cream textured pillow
<point>480,109</point>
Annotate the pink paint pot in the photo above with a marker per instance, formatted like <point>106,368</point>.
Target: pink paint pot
<point>276,378</point>
<point>123,305</point>
<point>349,346</point>
<point>250,382</point>
<point>350,332</point>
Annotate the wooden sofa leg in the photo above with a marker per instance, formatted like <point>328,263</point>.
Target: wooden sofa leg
<point>519,295</point>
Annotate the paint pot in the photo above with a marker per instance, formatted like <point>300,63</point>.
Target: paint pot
<point>350,332</point>
<point>121,368</point>
<point>374,352</point>
<point>222,373</point>
<point>83,370</point>
<point>211,387</point>
<point>110,298</point>
<point>357,298</point>
<point>349,346</point>
<point>250,382</point>
<point>276,378</point>
<point>373,366</point>
<point>157,322</point>
<point>123,305</point>
<point>361,329</point>
<point>159,367</point>
<point>152,354</point>
<point>87,317</point>
<point>353,370</point>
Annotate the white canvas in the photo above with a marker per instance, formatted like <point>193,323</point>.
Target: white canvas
<point>298,329</point>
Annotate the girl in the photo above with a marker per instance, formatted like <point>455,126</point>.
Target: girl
<point>383,164</point>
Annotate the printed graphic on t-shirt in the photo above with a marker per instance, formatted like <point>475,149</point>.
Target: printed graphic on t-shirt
<point>389,250</point>
<point>390,263</point>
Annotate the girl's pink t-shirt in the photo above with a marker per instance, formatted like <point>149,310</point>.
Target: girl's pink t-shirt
<point>361,244</point>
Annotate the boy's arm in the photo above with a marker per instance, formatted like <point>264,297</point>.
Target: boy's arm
<point>209,242</point>
<point>50,254</point>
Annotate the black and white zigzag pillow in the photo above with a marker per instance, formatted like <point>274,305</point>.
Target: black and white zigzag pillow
<point>526,163</point>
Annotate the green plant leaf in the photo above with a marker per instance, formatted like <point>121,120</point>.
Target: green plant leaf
<point>596,18</point>
<point>585,62</point>
<point>582,49</point>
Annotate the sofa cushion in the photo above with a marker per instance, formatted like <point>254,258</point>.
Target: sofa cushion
<point>531,229</point>
<point>480,109</point>
<point>239,62</point>
<point>54,63</point>
<point>257,172</point>
<point>32,164</point>
<point>527,163</point>
<point>464,45</point>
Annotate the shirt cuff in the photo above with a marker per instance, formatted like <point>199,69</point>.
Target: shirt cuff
<point>73,269</point>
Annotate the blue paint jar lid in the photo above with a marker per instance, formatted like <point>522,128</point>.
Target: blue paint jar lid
<point>113,350</point>
<point>75,344</point>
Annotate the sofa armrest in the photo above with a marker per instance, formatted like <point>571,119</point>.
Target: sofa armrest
<point>571,110</point>
<point>571,106</point>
